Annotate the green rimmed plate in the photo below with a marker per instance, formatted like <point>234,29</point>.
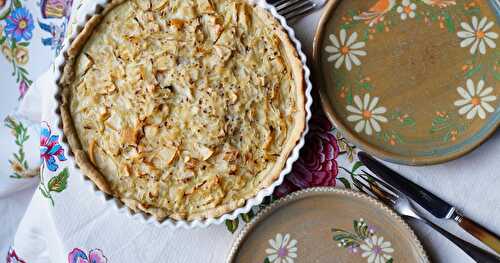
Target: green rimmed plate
<point>411,81</point>
<point>327,225</point>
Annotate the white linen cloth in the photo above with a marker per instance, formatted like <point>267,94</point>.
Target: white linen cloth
<point>80,219</point>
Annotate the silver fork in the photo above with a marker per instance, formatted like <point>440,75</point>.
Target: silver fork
<point>374,186</point>
<point>293,9</point>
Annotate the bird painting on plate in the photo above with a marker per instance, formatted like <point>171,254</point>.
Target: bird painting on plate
<point>376,13</point>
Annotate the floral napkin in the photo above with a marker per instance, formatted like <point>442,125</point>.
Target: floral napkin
<point>31,33</point>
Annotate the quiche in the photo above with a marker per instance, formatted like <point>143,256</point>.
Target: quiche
<point>182,109</point>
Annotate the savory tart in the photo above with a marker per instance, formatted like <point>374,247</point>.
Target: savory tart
<point>182,109</point>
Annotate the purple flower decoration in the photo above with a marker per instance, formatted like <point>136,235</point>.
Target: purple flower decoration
<point>50,149</point>
<point>23,88</point>
<point>78,256</point>
<point>19,24</point>
<point>12,257</point>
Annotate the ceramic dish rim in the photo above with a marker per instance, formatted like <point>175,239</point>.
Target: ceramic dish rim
<point>95,7</point>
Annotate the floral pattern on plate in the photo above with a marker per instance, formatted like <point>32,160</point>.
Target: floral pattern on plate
<point>366,114</point>
<point>464,22</point>
<point>475,100</point>
<point>282,249</point>
<point>364,241</point>
<point>477,35</point>
<point>407,9</point>
<point>345,51</point>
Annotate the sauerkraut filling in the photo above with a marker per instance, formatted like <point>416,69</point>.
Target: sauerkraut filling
<point>184,106</point>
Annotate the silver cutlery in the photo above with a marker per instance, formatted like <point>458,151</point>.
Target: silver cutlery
<point>293,9</point>
<point>430,202</point>
<point>401,204</point>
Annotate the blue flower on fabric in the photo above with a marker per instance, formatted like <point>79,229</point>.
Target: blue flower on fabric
<point>56,38</point>
<point>50,149</point>
<point>19,24</point>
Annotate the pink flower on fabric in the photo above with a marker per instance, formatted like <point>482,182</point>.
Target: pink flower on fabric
<point>317,165</point>
<point>12,257</point>
<point>94,256</point>
<point>23,88</point>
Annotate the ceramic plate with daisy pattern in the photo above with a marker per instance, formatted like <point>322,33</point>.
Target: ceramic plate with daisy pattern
<point>327,225</point>
<point>411,81</point>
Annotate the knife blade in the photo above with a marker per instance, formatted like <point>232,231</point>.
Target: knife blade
<point>430,202</point>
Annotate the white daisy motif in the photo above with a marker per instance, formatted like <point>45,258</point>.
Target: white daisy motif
<point>475,100</point>
<point>407,9</point>
<point>376,249</point>
<point>366,114</point>
<point>346,50</point>
<point>477,35</point>
<point>282,250</point>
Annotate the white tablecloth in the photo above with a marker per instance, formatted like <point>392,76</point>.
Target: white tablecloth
<point>80,220</point>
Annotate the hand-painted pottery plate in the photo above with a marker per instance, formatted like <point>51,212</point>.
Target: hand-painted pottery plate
<point>411,81</point>
<point>327,225</point>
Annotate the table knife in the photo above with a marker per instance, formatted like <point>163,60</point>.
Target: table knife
<point>430,202</point>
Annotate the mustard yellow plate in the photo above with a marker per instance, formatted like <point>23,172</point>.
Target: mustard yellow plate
<point>327,225</point>
<point>411,81</point>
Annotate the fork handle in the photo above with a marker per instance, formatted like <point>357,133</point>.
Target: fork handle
<point>478,254</point>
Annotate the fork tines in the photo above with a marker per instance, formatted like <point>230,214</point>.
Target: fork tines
<point>371,185</point>
<point>381,182</point>
<point>291,9</point>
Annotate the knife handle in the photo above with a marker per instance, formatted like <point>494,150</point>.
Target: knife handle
<point>476,253</point>
<point>481,233</point>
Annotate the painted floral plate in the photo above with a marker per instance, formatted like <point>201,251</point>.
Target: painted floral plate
<point>411,81</point>
<point>327,225</point>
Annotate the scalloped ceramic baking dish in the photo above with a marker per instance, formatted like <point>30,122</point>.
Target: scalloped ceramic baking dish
<point>95,7</point>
